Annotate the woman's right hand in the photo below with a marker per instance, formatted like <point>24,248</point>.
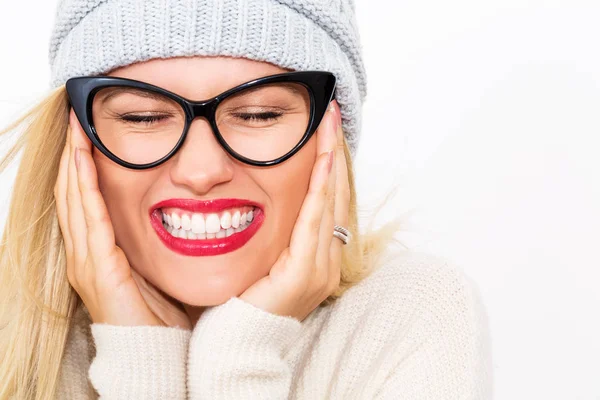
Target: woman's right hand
<point>96,267</point>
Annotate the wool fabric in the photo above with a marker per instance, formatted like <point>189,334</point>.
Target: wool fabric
<point>414,329</point>
<point>92,37</point>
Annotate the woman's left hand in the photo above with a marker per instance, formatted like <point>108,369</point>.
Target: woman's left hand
<point>308,271</point>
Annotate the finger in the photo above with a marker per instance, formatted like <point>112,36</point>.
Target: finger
<point>342,184</point>
<point>342,203</point>
<point>100,232</point>
<point>79,137</point>
<point>321,264</point>
<point>325,137</point>
<point>305,235</point>
<point>76,217</point>
<point>342,190</point>
<point>60,195</point>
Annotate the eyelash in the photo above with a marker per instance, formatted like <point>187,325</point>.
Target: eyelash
<point>142,118</point>
<point>264,116</point>
<point>261,117</point>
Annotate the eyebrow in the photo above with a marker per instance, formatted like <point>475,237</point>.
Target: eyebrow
<point>115,90</point>
<point>289,86</point>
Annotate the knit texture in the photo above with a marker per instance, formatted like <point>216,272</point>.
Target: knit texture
<point>92,37</point>
<point>140,362</point>
<point>414,329</point>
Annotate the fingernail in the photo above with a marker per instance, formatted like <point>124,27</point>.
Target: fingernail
<point>329,160</point>
<point>77,157</point>
<point>333,116</point>
<point>338,114</point>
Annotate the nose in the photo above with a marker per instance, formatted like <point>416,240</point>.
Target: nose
<point>201,163</point>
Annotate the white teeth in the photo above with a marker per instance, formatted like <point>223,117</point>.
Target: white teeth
<point>235,220</point>
<point>180,233</point>
<point>184,234</point>
<point>213,224</point>
<point>186,222</point>
<point>176,221</point>
<point>198,225</point>
<point>226,220</point>
<point>209,226</point>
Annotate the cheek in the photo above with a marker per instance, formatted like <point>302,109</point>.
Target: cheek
<point>287,186</point>
<point>123,191</point>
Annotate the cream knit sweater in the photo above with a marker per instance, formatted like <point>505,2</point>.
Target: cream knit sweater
<point>414,329</point>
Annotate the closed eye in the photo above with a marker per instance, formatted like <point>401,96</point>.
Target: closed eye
<point>145,119</point>
<point>264,116</point>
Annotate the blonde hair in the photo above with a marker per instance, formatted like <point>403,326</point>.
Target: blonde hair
<point>36,300</point>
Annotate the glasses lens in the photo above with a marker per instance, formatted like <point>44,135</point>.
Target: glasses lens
<point>265,122</point>
<point>137,125</point>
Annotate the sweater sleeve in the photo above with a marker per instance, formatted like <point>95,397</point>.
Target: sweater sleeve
<point>237,352</point>
<point>452,358</point>
<point>139,362</point>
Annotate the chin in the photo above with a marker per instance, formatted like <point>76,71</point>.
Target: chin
<point>207,299</point>
<point>205,290</point>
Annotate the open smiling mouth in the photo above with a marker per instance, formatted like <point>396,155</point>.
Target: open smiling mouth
<point>193,233</point>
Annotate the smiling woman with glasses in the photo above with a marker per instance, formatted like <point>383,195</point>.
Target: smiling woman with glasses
<point>184,223</point>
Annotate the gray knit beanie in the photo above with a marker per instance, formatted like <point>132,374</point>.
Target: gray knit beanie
<point>92,37</point>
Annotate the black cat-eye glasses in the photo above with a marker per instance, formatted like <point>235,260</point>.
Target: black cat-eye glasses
<point>262,122</point>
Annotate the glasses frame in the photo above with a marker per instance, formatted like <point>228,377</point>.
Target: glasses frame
<point>81,91</point>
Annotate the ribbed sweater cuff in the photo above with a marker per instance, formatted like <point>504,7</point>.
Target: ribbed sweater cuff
<point>237,351</point>
<point>139,362</point>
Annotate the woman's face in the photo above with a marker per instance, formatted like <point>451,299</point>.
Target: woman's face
<point>203,170</point>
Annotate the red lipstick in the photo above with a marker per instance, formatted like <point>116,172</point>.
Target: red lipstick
<point>205,247</point>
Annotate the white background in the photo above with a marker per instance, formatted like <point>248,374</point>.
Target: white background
<point>487,116</point>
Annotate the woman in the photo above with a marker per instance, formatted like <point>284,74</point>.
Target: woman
<point>193,228</point>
